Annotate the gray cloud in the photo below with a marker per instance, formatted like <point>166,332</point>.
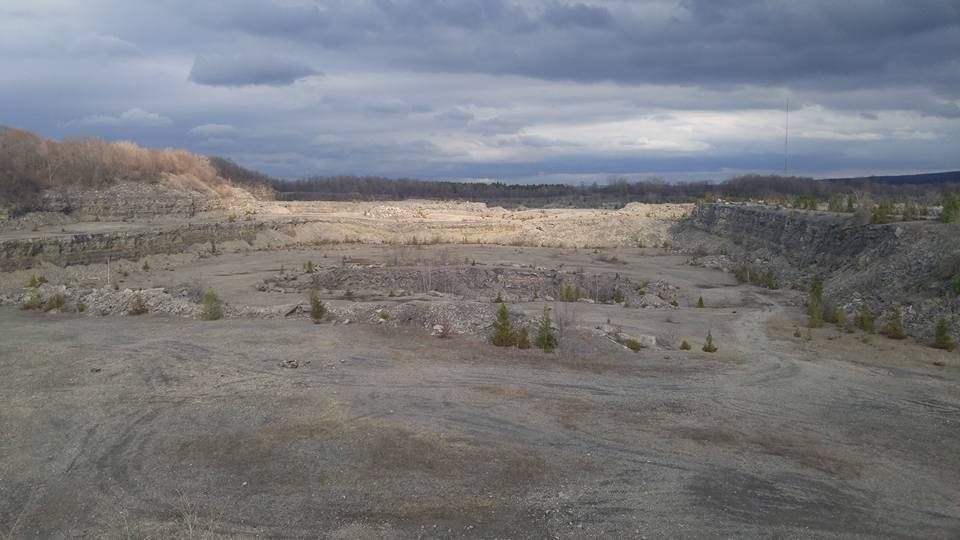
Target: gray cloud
<point>568,15</point>
<point>512,89</point>
<point>135,117</point>
<point>245,70</point>
<point>693,41</point>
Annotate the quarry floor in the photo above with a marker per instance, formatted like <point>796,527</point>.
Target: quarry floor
<point>157,426</point>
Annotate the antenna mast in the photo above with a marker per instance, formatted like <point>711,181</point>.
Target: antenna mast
<point>786,138</point>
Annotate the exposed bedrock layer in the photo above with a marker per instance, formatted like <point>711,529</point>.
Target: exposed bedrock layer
<point>907,265</point>
<point>69,249</point>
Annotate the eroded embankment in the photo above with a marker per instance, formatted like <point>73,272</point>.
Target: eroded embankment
<point>907,266</point>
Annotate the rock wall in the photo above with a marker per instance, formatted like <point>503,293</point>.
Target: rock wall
<point>907,265</point>
<point>130,200</point>
<point>69,249</point>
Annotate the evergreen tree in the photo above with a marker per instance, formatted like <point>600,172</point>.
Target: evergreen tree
<point>941,336</point>
<point>951,208</point>
<point>866,319</point>
<point>893,329</point>
<point>503,333</point>
<point>700,302</point>
<point>317,307</point>
<point>545,340</point>
<point>523,338</point>
<point>709,346</point>
<point>212,306</point>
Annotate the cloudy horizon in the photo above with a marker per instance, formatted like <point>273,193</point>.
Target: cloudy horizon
<point>511,90</point>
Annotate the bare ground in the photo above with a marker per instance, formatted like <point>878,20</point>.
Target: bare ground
<point>158,426</point>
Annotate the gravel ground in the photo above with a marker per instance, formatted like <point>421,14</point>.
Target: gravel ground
<point>158,426</point>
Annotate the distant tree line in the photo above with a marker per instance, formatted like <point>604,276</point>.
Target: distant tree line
<point>381,188</point>
<point>30,164</point>
<point>800,192</point>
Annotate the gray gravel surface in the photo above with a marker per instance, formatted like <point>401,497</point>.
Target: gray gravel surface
<point>158,426</point>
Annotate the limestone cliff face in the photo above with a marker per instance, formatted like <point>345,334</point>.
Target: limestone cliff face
<point>898,265</point>
<point>131,200</point>
<point>817,241</point>
<point>72,249</point>
<point>140,200</point>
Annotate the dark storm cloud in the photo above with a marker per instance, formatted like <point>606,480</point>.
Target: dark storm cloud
<point>509,89</point>
<point>567,15</point>
<point>243,70</point>
<point>690,42</point>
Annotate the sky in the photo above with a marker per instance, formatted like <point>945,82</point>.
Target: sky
<point>509,90</point>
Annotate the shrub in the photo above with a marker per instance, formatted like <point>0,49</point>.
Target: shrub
<point>835,203</point>
<point>956,284</point>
<point>137,305</point>
<point>503,333</point>
<point>631,344</point>
<point>81,306</point>
<point>31,301</point>
<point>951,208</point>
<point>445,331</point>
<point>569,293</point>
<point>317,308</point>
<point>709,346</point>
<point>909,211</point>
<point>309,267</point>
<point>865,320</point>
<point>36,281</point>
<point>941,337</point>
<point>545,340</point>
<point>58,301</point>
<point>212,306</point>
<point>882,212</point>
<point>700,302</point>
<point>746,274</point>
<point>841,319</point>
<point>684,346</point>
<point>796,332</point>
<point>893,328</point>
<point>523,338</point>
<point>499,298</point>
<point>618,295</point>
<point>146,266</point>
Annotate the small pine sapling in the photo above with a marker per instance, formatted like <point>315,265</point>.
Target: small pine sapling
<point>546,340</point>
<point>317,308</point>
<point>709,346</point>
<point>523,338</point>
<point>942,338</point>
<point>504,334</point>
